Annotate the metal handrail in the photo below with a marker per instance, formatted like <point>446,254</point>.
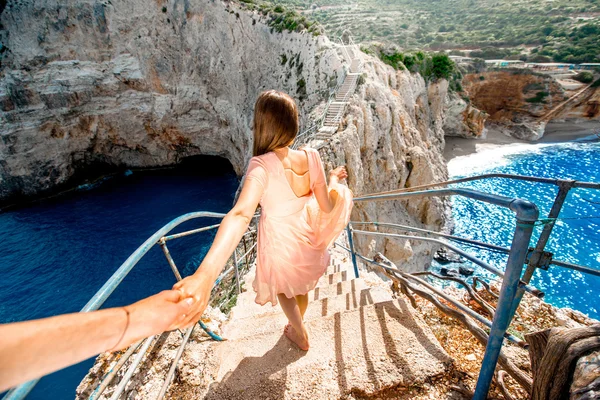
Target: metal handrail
<point>550,181</point>
<point>513,285</point>
<point>475,243</point>
<point>512,289</point>
<point>481,263</point>
<point>160,237</point>
<point>526,215</point>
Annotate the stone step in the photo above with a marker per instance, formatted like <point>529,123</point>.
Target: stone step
<point>328,130</point>
<point>328,306</point>
<point>337,266</point>
<point>246,307</point>
<point>364,350</point>
<point>349,286</point>
<point>333,278</point>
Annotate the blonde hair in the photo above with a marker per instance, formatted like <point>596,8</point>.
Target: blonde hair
<point>275,122</point>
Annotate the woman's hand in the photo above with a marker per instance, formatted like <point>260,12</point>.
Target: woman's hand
<point>338,174</point>
<point>198,287</point>
<point>156,314</point>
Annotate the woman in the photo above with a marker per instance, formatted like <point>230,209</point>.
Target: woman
<point>300,219</point>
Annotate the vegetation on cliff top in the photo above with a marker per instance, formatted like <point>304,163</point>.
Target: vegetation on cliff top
<point>431,66</point>
<point>284,19</point>
<point>561,30</point>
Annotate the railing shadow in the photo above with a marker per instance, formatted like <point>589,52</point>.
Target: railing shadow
<point>269,371</point>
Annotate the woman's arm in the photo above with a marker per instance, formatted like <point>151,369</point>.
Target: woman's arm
<point>233,226</point>
<point>32,349</point>
<point>325,197</point>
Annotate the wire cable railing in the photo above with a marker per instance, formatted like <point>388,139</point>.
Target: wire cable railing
<point>514,281</point>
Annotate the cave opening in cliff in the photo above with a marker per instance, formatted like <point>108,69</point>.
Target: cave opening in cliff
<point>198,169</point>
<point>203,165</point>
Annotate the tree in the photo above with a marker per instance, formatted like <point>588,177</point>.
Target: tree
<point>584,77</point>
<point>442,66</point>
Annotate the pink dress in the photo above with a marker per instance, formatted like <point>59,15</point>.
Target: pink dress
<point>293,233</point>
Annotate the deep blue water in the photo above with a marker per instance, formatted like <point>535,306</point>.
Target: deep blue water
<point>56,254</point>
<point>576,235</point>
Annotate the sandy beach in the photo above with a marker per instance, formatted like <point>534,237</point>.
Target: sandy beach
<point>556,132</point>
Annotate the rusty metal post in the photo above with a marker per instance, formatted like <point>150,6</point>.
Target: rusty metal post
<point>170,260</point>
<point>536,258</point>
<point>527,214</point>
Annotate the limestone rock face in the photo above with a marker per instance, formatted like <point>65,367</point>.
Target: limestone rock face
<point>99,84</point>
<point>463,120</point>
<point>391,138</point>
<point>519,100</point>
<point>585,107</point>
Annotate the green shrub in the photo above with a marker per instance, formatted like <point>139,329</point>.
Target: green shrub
<point>533,86</point>
<point>442,66</point>
<point>596,83</point>
<point>301,88</point>
<point>366,50</point>
<point>539,98</point>
<point>394,59</point>
<point>282,19</point>
<point>410,62</point>
<point>584,77</point>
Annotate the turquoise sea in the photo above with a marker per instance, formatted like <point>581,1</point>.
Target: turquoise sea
<point>56,253</point>
<point>576,235</point>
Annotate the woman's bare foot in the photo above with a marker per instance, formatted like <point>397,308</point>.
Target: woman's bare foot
<point>291,334</point>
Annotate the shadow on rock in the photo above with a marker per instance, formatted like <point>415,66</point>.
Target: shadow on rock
<point>258,377</point>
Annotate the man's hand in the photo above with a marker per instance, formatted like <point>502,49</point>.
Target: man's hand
<point>198,287</point>
<point>162,312</point>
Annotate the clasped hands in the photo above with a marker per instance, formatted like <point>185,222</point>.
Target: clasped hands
<point>178,308</point>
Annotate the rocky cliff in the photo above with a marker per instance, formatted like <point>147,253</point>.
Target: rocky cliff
<point>392,138</point>
<point>94,85</point>
<point>462,119</point>
<point>100,84</point>
<point>523,102</point>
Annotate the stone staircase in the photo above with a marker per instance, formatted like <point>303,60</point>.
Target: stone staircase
<point>335,111</point>
<point>362,341</point>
